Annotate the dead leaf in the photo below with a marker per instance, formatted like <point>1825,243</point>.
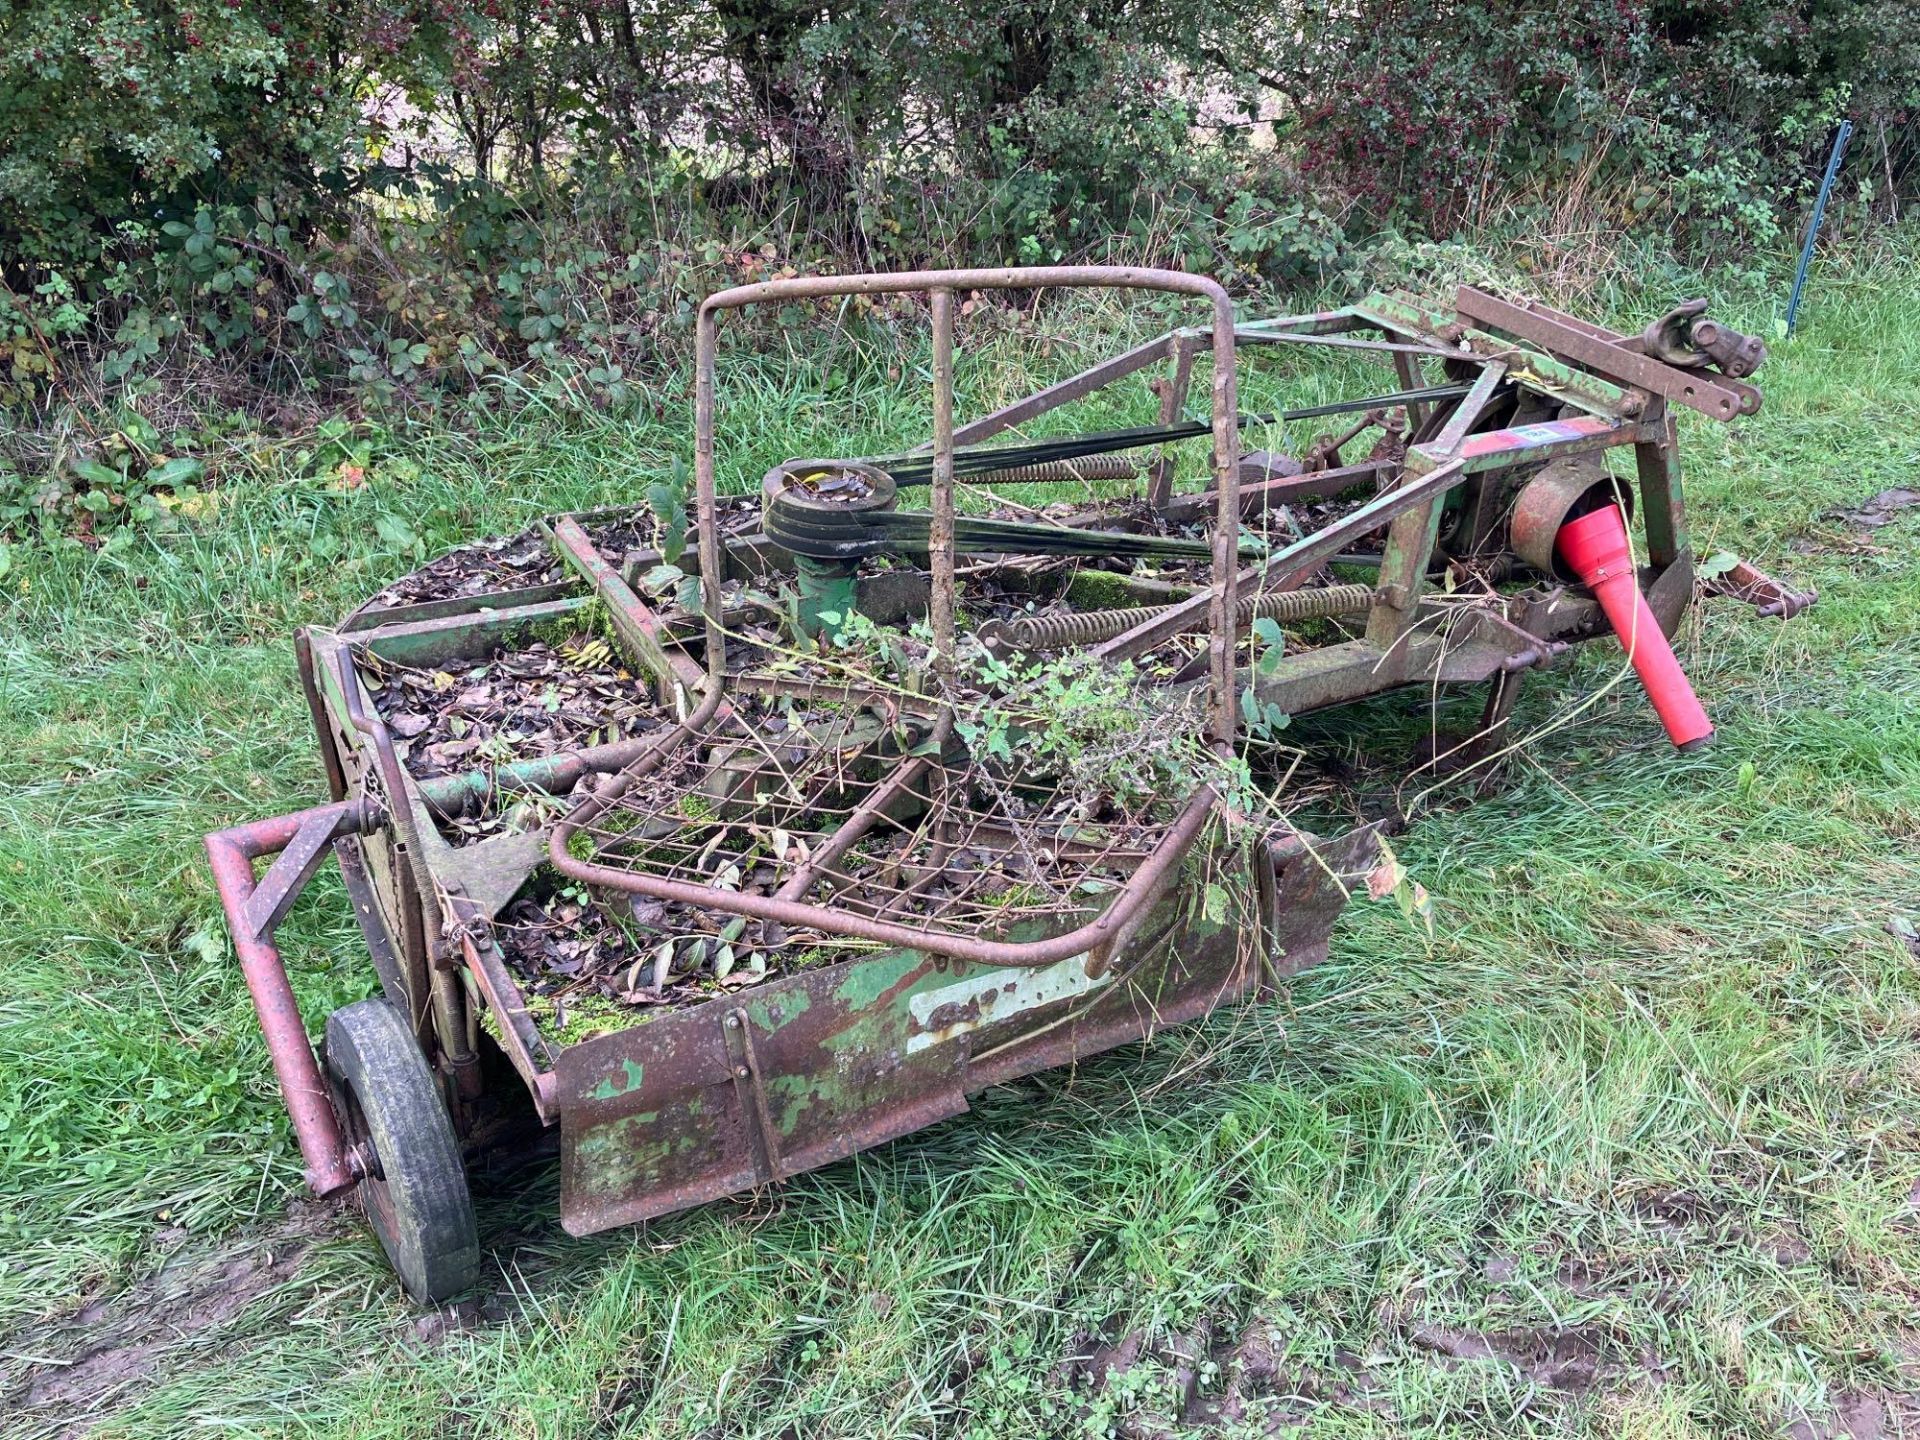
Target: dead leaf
<point>1877,510</point>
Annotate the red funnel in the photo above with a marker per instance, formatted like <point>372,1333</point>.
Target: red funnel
<point>1595,547</point>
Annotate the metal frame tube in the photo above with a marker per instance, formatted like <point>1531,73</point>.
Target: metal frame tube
<point>940,535</point>
<point>330,1166</point>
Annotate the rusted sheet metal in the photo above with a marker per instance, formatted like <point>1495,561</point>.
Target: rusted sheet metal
<point>368,910</point>
<point>1691,388</point>
<point>373,617</point>
<point>464,636</point>
<point>653,1119</point>
<point>1304,882</point>
<point>384,858</point>
<point>836,1060</point>
<point>1478,646</point>
<point>330,758</point>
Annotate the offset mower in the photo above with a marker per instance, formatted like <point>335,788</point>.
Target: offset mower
<point>738,856</point>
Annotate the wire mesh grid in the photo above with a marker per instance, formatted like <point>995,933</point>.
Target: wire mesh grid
<point>852,821</point>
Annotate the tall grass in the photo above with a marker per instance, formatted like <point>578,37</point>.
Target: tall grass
<point>1653,1082</point>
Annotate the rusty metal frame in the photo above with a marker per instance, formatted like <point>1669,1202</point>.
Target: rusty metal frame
<point>254,906</point>
<point>841,1037</point>
<point>636,621</point>
<point>940,286</point>
<point>1692,388</point>
<point>1091,938</point>
<point>1533,368</point>
<point>1225,418</point>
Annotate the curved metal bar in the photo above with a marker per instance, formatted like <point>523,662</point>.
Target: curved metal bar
<point>1222,700</point>
<point>1110,924</point>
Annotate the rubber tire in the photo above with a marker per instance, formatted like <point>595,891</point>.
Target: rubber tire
<point>419,1205</point>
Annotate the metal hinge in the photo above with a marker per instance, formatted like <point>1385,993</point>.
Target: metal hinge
<point>744,1061</point>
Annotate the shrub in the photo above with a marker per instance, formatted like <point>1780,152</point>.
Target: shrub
<point>123,113</point>
<point>371,204</point>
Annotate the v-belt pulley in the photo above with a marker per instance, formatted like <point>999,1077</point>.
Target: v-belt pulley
<point>916,467</point>
<point>842,510</point>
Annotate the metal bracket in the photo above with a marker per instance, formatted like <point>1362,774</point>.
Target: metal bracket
<point>1691,388</point>
<point>274,893</point>
<point>1753,586</point>
<point>737,1031</point>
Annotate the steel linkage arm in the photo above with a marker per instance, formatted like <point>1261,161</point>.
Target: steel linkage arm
<point>255,905</point>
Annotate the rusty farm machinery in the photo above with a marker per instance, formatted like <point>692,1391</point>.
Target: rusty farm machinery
<point>740,839</point>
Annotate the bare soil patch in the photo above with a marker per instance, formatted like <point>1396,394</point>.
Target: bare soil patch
<point>62,1378</point>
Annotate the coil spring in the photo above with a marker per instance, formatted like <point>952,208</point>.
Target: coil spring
<point>1090,627</point>
<point>1091,467</point>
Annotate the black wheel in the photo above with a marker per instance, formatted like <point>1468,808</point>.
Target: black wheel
<point>415,1193</point>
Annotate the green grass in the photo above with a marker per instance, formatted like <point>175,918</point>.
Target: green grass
<point>1659,1062</point>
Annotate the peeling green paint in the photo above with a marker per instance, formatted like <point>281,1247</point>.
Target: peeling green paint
<point>798,1092</point>
<point>617,1138</point>
<point>625,1083</point>
<point>868,980</point>
<point>781,1009</point>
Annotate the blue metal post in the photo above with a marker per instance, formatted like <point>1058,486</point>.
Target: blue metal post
<point>1819,213</point>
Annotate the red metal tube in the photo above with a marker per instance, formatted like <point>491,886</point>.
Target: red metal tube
<point>1595,547</point>
<point>231,854</point>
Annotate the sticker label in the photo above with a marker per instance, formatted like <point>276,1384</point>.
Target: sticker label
<point>1527,437</point>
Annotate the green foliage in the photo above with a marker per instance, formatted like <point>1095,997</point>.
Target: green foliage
<point>667,499</point>
<point>129,475</point>
<point>1713,118</point>
<point>115,114</point>
<point>1093,725</point>
<point>1263,718</point>
<point>404,206</point>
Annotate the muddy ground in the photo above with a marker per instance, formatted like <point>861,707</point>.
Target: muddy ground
<point>1231,1372</point>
